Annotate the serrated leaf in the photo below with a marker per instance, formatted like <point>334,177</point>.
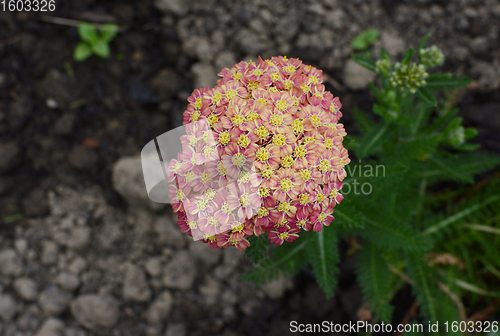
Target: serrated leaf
<point>87,32</point>
<point>322,253</point>
<point>109,31</point>
<point>363,61</point>
<point>365,39</point>
<point>375,280</point>
<point>446,82</point>
<point>423,287</point>
<point>257,248</point>
<point>101,48</point>
<point>426,96</point>
<point>82,52</point>
<point>286,259</point>
<point>373,140</point>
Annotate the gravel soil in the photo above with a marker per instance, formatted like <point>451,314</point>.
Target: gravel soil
<point>82,250</point>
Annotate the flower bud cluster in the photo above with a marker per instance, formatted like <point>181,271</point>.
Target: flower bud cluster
<point>408,76</point>
<point>431,57</point>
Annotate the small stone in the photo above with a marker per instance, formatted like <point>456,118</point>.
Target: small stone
<point>178,7</point>
<point>488,76</point>
<point>179,272</point>
<point>54,301</point>
<point>479,44</point>
<point>10,263</point>
<point>64,125</point>
<point>392,42</point>
<point>336,19</point>
<point>8,307</point>
<point>51,103</point>
<point>57,87</point>
<point>141,93</point>
<point>210,291</point>
<point>251,42</point>
<point>168,233</point>
<point>160,308</point>
<point>276,288</point>
<point>225,59</point>
<point>153,266</point>
<point>204,75</point>
<point>77,265</point>
<point>83,158</point>
<point>176,329</point>
<point>67,281</point>
<point>75,332</point>
<point>207,256</point>
<point>26,288</point>
<point>51,327</point>
<point>357,77</point>
<point>93,311</point>
<point>128,181</point>
<point>135,286</point>
<point>11,156</point>
<point>21,246</point>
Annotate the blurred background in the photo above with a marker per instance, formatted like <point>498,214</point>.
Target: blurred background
<point>82,249</point>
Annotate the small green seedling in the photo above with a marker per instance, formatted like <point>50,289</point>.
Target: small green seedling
<point>93,41</point>
<point>365,39</point>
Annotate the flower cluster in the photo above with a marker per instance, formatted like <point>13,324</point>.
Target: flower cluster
<point>431,57</point>
<point>263,154</point>
<point>408,76</point>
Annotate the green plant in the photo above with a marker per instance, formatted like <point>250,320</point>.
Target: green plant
<point>365,39</point>
<point>94,41</point>
<point>409,146</point>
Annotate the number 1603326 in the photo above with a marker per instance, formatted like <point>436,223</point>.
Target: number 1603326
<point>28,5</point>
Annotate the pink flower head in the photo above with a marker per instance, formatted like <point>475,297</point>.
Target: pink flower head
<point>263,154</point>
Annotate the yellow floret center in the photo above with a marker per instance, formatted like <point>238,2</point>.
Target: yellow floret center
<point>286,184</point>
<point>279,140</point>
<point>212,221</point>
<point>329,143</point>
<point>287,161</point>
<point>262,212</point>
<point>321,217</point>
<point>224,138</point>
<point>315,120</point>
<point>267,173</point>
<point>262,132</point>
<point>243,141</point>
<point>300,152</point>
<point>283,235</point>
<point>324,165</point>
<point>252,116</point>
<point>258,72</point>
<point>238,160</point>
<point>207,151</point>
<point>244,200</point>
<point>289,69</point>
<point>297,126</point>
<point>230,94</point>
<point>209,194</point>
<point>238,119</point>
<point>303,199</point>
<point>281,105</point>
<point>264,192</point>
<point>313,80</point>
<point>180,195</point>
<point>305,88</point>
<point>212,119</point>
<point>195,116</point>
<point>204,177</point>
<point>275,76</point>
<point>237,75</point>
<point>284,207</point>
<point>263,154</point>
<point>201,204</point>
<point>276,120</point>
<point>305,174</point>
<point>216,98</point>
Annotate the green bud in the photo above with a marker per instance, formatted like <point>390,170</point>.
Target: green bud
<point>383,66</point>
<point>431,57</point>
<point>408,76</point>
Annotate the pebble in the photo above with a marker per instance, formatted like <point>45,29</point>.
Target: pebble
<point>8,307</point>
<point>50,250</point>
<point>10,263</point>
<point>178,7</point>
<point>204,75</point>
<point>160,308</point>
<point>54,301</point>
<point>207,256</point>
<point>179,272</point>
<point>176,329</point>
<point>135,286</point>
<point>167,232</point>
<point>83,158</point>
<point>64,125</point>
<point>276,289</point>
<point>94,311</point>
<point>210,290</point>
<point>19,112</point>
<point>357,77</point>
<point>392,42</point>
<point>67,281</point>
<point>51,327</point>
<point>153,266</point>
<point>26,288</point>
